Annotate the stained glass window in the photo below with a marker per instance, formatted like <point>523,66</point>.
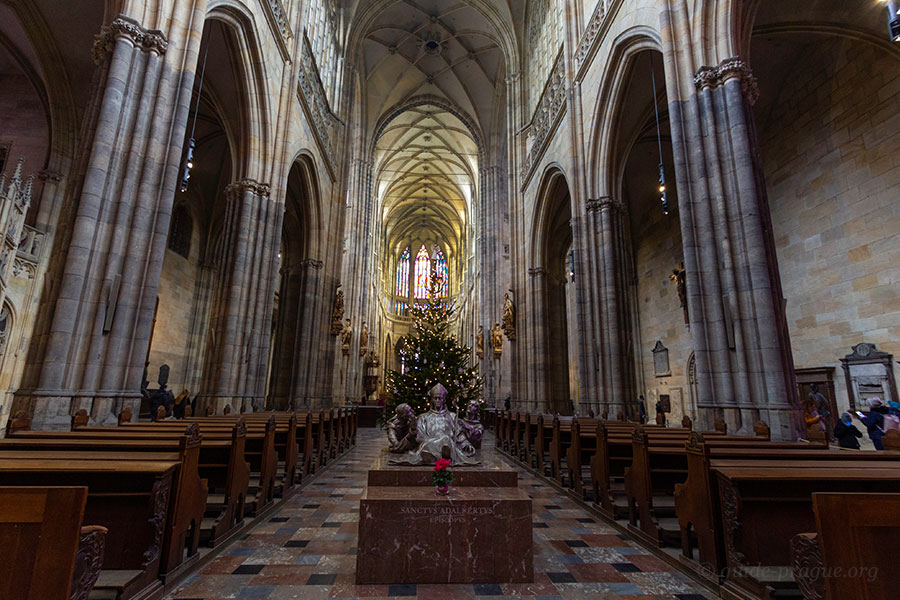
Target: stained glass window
<point>402,288</point>
<point>423,266</point>
<point>443,273</point>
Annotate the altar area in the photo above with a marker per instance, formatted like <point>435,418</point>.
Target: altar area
<point>480,532</point>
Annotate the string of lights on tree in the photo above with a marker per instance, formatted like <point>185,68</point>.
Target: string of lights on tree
<point>431,355</point>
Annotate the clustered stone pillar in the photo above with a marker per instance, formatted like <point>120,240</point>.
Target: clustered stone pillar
<point>241,319</point>
<point>744,367</point>
<point>96,317</point>
<point>606,235</point>
<point>491,281</point>
<point>294,358</point>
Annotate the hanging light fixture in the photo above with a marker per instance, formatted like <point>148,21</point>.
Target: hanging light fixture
<point>192,145</point>
<point>664,201</point>
<point>894,20</point>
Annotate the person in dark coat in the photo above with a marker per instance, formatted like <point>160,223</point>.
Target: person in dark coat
<point>642,410</point>
<point>161,397</point>
<point>847,433</point>
<point>874,421</point>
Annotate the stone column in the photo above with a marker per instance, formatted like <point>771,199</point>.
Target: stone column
<point>744,365</point>
<point>100,292</point>
<point>605,218</point>
<point>539,396</point>
<point>236,365</point>
<point>286,332</point>
<point>310,339</point>
<point>199,332</point>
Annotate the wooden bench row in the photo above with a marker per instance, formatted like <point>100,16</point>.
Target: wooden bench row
<point>730,502</point>
<point>46,553</point>
<point>162,489</point>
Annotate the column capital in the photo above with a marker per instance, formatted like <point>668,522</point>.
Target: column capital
<point>248,185</point>
<point>537,271</point>
<point>731,68</point>
<point>122,27</point>
<point>315,263</point>
<point>604,202</point>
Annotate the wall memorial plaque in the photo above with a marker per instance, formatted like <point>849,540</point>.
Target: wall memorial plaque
<point>661,360</point>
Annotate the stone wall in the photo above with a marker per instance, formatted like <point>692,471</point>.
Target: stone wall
<point>832,160</point>
<point>22,123</point>
<point>173,317</point>
<point>656,243</point>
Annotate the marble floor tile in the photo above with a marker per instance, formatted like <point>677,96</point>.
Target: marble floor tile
<point>306,550</point>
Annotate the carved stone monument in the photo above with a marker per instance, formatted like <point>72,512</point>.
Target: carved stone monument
<point>439,435</point>
<point>661,360</point>
<point>869,373</point>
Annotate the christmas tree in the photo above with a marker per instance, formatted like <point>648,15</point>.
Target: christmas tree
<point>431,355</point>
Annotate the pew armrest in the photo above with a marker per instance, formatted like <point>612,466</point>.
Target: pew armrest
<point>806,563</point>
<point>88,561</point>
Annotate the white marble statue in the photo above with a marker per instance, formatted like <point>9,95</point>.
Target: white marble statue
<point>438,434</point>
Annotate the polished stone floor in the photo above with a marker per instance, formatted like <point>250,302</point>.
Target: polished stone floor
<point>307,549</point>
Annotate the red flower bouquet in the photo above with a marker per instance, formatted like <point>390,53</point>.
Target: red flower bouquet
<point>441,476</point>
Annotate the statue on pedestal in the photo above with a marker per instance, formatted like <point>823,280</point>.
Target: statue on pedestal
<point>679,278</point>
<point>364,340</point>
<point>401,430</point>
<point>497,340</point>
<point>509,318</point>
<point>337,313</point>
<point>437,432</point>
<point>471,431</point>
<point>479,342</point>
<point>346,337</point>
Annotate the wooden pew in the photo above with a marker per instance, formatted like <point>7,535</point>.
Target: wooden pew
<point>499,428</point>
<point>614,449</point>
<point>764,507</point>
<point>542,443</point>
<point>659,463</point>
<point>697,499</point>
<point>578,456</point>
<point>129,498</point>
<point>88,561</point>
<point>286,445</point>
<point>189,490</point>
<point>853,553</point>
<point>259,449</point>
<point>319,436</point>
<point>559,445</point>
<point>41,532</point>
<point>18,422</point>
<point>530,439</point>
<point>80,419</point>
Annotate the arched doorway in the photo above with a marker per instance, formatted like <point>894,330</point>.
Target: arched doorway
<point>557,384</point>
<point>292,368</point>
<point>657,337</point>
<point>183,335</point>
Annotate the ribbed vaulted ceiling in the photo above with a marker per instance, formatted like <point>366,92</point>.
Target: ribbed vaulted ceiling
<point>432,70</point>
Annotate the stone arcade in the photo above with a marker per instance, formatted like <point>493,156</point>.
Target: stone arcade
<point>640,210</point>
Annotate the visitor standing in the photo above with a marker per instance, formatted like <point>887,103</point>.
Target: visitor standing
<point>874,421</point>
<point>847,433</point>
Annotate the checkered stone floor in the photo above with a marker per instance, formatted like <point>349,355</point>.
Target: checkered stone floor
<point>307,549</point>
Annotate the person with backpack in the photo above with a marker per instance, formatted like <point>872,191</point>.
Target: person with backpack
<point>874,421</point>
